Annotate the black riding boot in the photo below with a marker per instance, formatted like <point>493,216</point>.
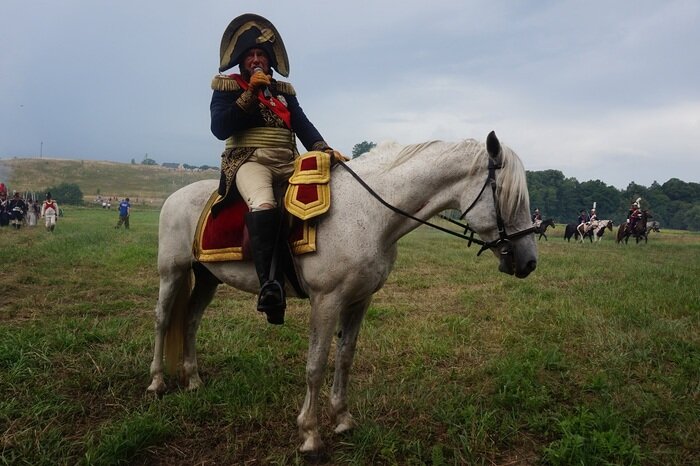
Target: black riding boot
<point>263,229</point>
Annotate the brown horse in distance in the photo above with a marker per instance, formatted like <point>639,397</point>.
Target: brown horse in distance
<point>639,230</point>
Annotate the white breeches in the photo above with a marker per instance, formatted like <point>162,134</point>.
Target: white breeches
<point>50,220</point>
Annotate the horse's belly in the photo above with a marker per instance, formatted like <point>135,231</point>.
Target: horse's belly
<point>238,274</point>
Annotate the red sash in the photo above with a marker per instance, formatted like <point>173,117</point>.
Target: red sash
<point>277,107</point>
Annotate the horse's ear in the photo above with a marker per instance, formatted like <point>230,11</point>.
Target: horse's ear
<point>493,145</point>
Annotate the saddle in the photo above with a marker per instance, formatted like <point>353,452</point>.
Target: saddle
<point>225,237</point>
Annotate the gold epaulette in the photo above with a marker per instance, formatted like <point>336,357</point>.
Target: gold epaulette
<point>221,82</point>
<point>224,83</point>
<point>285,88</point>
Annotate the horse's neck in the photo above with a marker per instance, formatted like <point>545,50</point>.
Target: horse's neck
<point>642,224</point>
<point>421,185</point>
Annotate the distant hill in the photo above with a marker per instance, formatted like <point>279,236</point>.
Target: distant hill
<point>143,184</point>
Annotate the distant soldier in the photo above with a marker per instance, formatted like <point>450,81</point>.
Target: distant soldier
<point>634,214</point>
<point>583,217</point>
<point>537,218</point>
<point>17,208</point>
<point>4,216</point>
<point>49,210</point>
<point>592,221</point>
<point>33,213</point>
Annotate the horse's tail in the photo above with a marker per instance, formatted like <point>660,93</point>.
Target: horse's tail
<point>175,333</point>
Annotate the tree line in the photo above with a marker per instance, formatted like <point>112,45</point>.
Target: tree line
<point>675,203</point>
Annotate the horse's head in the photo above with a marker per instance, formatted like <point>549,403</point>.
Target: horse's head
<point>501,212</point>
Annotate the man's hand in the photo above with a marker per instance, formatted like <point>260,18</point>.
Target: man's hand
<point>336,156</point>
<point>259,79</point>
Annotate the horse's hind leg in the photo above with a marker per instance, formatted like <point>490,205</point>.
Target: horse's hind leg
<point>205,285</point>
<point>350,323</point>
<point>170,285</point>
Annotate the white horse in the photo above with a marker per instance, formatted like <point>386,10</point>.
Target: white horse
<point>597,229</point>
<point>594,231</point>
<point>356,241</point>
<point>600,229</point>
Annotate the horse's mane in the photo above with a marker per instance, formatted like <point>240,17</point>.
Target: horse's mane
<point>510,178</point>
<point>390,154</point>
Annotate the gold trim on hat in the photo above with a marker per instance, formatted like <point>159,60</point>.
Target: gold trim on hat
<point>266,35</point>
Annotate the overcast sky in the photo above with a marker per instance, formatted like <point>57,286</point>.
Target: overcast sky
<point>606,90</point>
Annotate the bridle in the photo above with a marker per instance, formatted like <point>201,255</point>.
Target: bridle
<point>504,239</point>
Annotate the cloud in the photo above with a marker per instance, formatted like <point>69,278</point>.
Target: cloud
<point>593,89</point>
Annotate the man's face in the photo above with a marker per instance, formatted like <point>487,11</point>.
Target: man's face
<point>256,58</point>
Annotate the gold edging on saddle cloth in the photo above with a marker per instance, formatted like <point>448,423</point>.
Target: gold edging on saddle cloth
<point>307,242</point>
<point>234,253</point>
<point>312,173</point>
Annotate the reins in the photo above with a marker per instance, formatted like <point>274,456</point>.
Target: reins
<point>503,237</point>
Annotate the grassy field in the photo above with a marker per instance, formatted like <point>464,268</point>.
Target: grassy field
<point>594,359</point>
<point>143,184</point>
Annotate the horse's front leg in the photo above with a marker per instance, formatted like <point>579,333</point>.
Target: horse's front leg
<point>324,317</point>
<point>350,324</point>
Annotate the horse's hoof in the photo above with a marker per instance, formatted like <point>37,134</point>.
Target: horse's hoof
<point>156,388</point>
<point>195,383</point>
<point>312,446</point>
<point>345,424</point>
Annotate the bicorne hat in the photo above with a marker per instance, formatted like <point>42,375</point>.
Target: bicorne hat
<point>248,31</point>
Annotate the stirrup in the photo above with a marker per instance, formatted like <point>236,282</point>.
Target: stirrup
<point>272,290</point>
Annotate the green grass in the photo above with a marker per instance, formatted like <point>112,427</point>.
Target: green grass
<point>594,359</point>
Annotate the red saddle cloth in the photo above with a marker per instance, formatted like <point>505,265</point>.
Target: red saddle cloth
<point>308,196</point>
<point>225,237</point>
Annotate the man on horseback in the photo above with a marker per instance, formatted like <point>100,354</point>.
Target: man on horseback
<point>592,222</point>
<point>537,218</point>
<point>634,214</point>
<point>259,117</point>
<point>582,217</point>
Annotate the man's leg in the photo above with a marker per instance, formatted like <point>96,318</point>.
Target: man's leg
<point>254,183</point>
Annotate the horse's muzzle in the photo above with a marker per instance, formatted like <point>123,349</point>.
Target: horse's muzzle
<point>514,264</point>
